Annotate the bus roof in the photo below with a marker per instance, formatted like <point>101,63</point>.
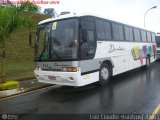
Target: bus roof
<point>58,18</point>
<point>74,15</point>
<point>81,15</point>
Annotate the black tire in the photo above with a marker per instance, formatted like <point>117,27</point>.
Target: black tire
<point>147,62</point>
<point>104,74</point>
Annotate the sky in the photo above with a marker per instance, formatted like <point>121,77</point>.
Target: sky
<point>126,11</point>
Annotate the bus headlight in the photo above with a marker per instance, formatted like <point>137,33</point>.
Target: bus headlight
<point>69,69</point>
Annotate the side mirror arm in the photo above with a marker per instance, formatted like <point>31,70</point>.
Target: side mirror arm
<point>30,39</point>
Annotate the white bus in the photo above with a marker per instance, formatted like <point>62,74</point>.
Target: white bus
<point>158,45</point>
<point>76,50</point>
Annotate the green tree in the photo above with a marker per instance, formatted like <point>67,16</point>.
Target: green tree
<point>29,6</point>
<point>11,19</point>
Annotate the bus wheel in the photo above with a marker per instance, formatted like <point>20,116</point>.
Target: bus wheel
<point>147,61</point>
<point>104,74</point>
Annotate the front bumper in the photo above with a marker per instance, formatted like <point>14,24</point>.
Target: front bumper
<point>60,78</point>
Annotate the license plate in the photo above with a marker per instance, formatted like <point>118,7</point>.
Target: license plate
<point>52,77</point>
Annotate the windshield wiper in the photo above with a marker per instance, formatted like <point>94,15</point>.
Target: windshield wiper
<point>43,50</point>
<point>55,53</point>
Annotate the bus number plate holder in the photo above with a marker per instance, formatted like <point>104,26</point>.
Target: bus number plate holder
<point>52,77</point>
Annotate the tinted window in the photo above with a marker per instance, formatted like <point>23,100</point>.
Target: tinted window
<point>107,29</point>
<point>90,35</point>
<point>143,35</point>
<point>128,33</point>
<point>137,36</point>
<point>121,32</point>
<point>115,31</point>
<point>153,37</point>
<point>91,41</point>
<point>149,37</point>
<point>87,24</point>
<point>42,48</point>
<point>158,41</point>
<point>89,46</point>
<point>118,33</point>
<point>100,29</point>
<point>88,18</point>
<point>64,39</point>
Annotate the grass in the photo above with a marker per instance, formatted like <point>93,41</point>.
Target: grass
<point>19,56</point>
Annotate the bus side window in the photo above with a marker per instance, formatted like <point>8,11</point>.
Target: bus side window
<point>91,42</point>
<point>149,37</point>
<point>88,44</point>
<point>153,37</point>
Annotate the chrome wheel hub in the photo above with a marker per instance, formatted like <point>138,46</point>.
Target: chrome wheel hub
<point>104,73</point>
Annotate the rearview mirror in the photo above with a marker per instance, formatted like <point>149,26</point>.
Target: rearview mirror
<point>30,39</point>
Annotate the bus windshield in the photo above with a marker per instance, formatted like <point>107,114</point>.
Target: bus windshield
<point>57,40</point>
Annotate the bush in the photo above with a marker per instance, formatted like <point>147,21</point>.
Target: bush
<point>8,85</point>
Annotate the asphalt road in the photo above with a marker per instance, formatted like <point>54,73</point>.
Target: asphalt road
<point>137,91</point>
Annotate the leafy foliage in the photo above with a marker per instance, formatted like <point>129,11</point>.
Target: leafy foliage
<point>29,6</point>
<point>19,56</point>
<point>12,18</point>
<point>8,85</point>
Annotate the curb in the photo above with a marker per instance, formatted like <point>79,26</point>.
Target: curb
<point>25,79</point>
<point>26,91</point>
